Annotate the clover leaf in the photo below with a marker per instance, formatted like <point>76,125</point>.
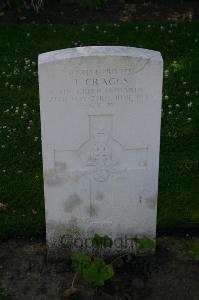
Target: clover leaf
<point>101,241</point>
<point>80,261</point>
<point>145,244</point>
<point>98,272</point>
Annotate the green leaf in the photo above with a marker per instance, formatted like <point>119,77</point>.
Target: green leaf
<point>98,272</point>
<point>194,251</point>
<point>107,241</point>
<point>145,244</point>
<point>80,261</point>
<point>101,241</point>
<point>96,241</point>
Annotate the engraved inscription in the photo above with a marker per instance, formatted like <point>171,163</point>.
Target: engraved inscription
<point>100,88</point>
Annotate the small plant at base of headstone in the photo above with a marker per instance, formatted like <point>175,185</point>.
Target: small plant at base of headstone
<point>144,245</point>
<point>193,251</point>
<point>92,269</point>
<point>99,242</point>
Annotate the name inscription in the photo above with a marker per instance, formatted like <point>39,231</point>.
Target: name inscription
<point>102,87</point>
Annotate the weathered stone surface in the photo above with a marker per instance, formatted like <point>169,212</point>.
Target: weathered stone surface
<point>100,120</point>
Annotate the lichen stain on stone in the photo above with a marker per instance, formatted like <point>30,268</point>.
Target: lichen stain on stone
<point>121,177</point>
<point>92,211</point>
<point>55,176</point>
<point>99,196</point>
<point>145,164</point>
<point>60,166</point>
<point>51,178</point>
<point>73,222</point>
<point>151,201</point>
<point>77,178</point>
<point>72,202</point>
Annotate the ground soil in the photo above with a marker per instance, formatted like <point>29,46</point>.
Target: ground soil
<point>115,11</point>
<point>169,274</point>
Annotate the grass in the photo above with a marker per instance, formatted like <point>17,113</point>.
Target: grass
<point>2,294</point>
<point>21,183</point>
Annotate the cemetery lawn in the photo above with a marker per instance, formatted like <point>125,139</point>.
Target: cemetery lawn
<point>21,183</point>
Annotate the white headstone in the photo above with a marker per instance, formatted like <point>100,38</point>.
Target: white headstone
<point>100,120</point>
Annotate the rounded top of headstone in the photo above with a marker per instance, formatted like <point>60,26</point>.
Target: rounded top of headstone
<point>99,51</point>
